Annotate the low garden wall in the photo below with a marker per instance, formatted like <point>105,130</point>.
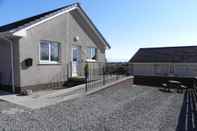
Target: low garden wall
<point>157,81</point>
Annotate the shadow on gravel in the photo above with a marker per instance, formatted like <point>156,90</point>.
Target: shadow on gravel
<point>188,115</point>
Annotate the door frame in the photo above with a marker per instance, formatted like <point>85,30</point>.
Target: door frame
<point>75,70</point>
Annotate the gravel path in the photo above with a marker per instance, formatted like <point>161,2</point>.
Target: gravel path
<point>118,108</point>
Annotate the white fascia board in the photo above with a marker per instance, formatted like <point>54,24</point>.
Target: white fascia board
<point>93,28</point>
<point>20,33</point>
<point>23,32</point>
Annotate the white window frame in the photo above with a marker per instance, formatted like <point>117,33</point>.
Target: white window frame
<point>88,59</point>
<point>49,61</point>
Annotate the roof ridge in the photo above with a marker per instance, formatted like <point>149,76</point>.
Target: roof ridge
<point>169,47</point>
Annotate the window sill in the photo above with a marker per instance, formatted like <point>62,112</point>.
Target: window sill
<point>90,60</point>
<point>49,63</point>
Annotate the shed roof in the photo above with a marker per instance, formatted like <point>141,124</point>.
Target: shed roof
<point>183,54</point>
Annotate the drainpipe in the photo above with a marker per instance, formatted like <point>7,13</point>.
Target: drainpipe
<point>11,60</point>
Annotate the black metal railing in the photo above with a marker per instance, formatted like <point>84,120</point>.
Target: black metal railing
<point>59,78</point>
<point>187,120</point>
<point>100,74</point>
<point>96,74</point>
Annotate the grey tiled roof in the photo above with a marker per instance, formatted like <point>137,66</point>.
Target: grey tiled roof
<point>15,26</point>
<point>31,20</point>
<point>183,54</point>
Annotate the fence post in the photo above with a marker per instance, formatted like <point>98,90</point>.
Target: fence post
<point>86,72</point>
<point>86,87</point>
<point>116,76</point>
<point>68,72</point>
<point>104,75</point>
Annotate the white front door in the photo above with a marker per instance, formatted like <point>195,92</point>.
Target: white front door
<point>75,61</point>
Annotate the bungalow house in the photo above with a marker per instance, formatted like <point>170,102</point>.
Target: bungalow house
<point>173,62</point>
<point>36,50</point>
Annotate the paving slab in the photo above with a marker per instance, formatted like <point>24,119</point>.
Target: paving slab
<point>43,98</point>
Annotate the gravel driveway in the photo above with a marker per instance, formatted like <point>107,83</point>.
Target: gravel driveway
<point>119,108</point>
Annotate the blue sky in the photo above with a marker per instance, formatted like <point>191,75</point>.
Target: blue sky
<point>126,24</point>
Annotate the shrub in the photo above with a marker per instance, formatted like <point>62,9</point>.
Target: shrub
<point>86,70</point>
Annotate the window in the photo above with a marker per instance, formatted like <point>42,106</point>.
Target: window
<point>91,53</point>
<point>76,54</point>
<point>157,69</point>
<point>49,52</point>
<point>171,68</point>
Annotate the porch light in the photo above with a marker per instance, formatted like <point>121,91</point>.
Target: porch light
<point>76,38</point>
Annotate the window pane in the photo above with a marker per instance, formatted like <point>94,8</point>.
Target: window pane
<point>54,52</point>
<point>171,68</point>
<point>44,51</point>
<point>157,69</point>
<point>93,56</point>
<point>89,53</point>
<point>75,54</point>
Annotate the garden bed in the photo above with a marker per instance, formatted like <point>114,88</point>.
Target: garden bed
<point>74,81</point>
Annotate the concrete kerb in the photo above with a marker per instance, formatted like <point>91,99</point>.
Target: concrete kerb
<point>57,96</point>
<point>45,99</point>
<point>109,85</point>
<point>82,88</point>
<point>66,91</point>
